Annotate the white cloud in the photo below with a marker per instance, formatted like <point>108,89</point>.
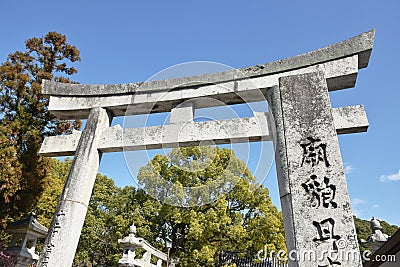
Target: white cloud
<point>356,201</point>
<point>356,212</point>
<point>348,169</point>
<point>390,177</point>
<point>354,206</point>
<point>375,206</point>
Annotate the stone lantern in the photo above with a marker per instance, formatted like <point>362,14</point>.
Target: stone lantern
<point>25,234</point>
<point>377,237</point>
<point>377,234</point>
<point>131,243</point>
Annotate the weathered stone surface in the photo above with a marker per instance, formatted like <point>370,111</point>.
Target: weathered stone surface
<point>182,113</point>
<point>339,62</point>
<point>360,45</point>
<point>312,185</point>
<point>116,139</point>
<point>28,231</point>
<point>341,73</point>
<point>278,133</point>
<point>377,234</point>
<point>350,119</point>
<point>130,259</point>
<point>62,240</point>
<point>314,193</point>
<point>347,120</point>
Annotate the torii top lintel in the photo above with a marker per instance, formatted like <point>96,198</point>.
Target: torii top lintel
<point>339,62</point>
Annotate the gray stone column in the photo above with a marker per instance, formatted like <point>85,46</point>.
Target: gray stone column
<point>62,239</point>
<point>316,207</point>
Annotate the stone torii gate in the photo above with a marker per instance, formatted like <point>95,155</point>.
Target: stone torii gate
<point>312,184</point>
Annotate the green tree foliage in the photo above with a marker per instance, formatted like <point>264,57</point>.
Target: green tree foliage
<point>54,183</point>
<point>198,233</point>
<point>363,228</point>
<point>389,229</point>
<point>25,120</point>
<point>104,223</point>
<point>243,219</point>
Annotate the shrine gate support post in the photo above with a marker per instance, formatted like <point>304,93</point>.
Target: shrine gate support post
<point>62,239</point>
<point>315,203</point>
<point>317,215</point>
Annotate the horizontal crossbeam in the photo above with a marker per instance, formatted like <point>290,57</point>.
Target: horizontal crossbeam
<point>339,63</point>
<point>350,119</point>
<point>233,92</point>
<point>360,45</point>
<point>115,139</point>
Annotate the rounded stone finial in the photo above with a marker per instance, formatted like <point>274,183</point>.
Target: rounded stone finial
<point>375,224</point>
<point>132,229</point>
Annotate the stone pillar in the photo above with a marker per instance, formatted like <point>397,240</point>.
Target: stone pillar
<point>316,207</point>
<point>62,239</point>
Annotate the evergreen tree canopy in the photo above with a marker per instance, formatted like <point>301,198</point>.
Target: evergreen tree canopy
<point>363,228</point>
<point>198,233</point>
<point>243,220</point>
<point>25,120</point>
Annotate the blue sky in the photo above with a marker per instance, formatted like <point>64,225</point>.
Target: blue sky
<point>127,41</point>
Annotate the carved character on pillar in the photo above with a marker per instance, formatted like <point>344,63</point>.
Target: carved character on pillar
<point>314,152</point>
<point>332,263</point>
<point>50,246</point>
<point>61,213</point>
<point>320,192</point>
<point>325,231</point>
